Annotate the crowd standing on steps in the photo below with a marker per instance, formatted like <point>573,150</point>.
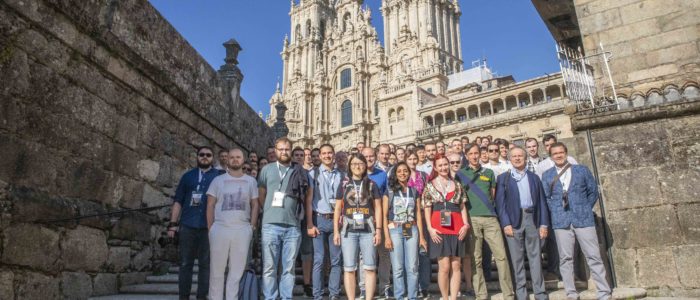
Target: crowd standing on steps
<point>368,222</point>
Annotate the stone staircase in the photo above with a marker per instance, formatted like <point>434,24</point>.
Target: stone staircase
<point>165,287</point>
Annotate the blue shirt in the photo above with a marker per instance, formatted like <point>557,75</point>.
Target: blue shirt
<point>325,189</point>
<point>379,178</point>
<point>192,181</point>
<point>523,187</point>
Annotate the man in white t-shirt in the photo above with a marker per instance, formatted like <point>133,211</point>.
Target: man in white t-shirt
<point>232,215</point>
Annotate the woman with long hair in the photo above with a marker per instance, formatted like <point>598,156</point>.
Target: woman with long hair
<point>403,228</point>
<point>357,225</point>
<point>417,181</point>
<point>444,203</point>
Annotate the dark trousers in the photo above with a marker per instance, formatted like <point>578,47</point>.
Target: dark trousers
<point>194,242</point>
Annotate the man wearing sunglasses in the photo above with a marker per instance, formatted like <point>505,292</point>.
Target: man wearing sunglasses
<point>495,164</point>
<point>188,217</point>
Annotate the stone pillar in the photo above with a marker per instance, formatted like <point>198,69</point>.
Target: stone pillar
<point>422,21</point>
<point>386,12</point>
<point>450,32</point>
<point>458,34</point>
<point>440,25</point>
<point>396,28</point>
<point>445,29</point>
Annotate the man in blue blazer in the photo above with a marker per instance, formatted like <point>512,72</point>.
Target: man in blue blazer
<point>571,193</point>
<point>522,212</point>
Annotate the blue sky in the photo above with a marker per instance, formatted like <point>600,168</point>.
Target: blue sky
<point>509,33</point>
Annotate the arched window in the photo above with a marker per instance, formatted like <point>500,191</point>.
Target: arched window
<point>346,113</point>
<point>345,78</point>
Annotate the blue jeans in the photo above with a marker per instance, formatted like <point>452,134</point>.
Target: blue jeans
<point>325,227</point>
<point>279,242</point>
<point>194,242</point>
<point>356,242</point>
<point>404,259</point>
<point>425,267</point>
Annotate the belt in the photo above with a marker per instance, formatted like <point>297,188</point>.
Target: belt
<point>529,210</point>
<point>325,216</point>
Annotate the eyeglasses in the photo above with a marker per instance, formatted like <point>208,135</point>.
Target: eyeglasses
<point>493,150</point>
<point>357,164</point>
<point>247,169</point>
<point>455,162</point>
<point>205,155</point>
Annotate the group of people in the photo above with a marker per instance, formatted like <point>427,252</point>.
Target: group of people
<point>378,217</point>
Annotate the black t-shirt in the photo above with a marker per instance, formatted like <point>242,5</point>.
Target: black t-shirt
<point>347,192</point>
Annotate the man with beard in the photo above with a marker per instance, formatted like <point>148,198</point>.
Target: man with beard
<point>283,189</point>
<point>232,216</point>
<point>427,165</point>
<point>188,216</point>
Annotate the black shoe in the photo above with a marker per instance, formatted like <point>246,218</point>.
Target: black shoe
<point>423,294</point>
<point>388,293</point>
<point>308,291</point>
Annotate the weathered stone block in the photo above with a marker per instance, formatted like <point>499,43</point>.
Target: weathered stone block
<point>104,284</point>
<point>601,21</point>
<point>687,258</point>
<point>625,267</point>
<point>76,285</point>
<point>119,258</point>
<point>38,205</point>
<point>645,227</point>
<point>142,259</point>
<point>153,197</point>
<point>656,267</point>
<point>679,185</point>
<point>132,278</point>
<point>148,169</point>
<point>32,246</point>
<point>658,71</point>
<point>689,221</point>
<point>166,176</point>
<point>7,279</point>
<point>624,190</point>
<point>86,208</point>
<point>133,193</point>
<point>84,249</point>
<point>134,226</point>
<point>36,286</point>
<point>643,10</point>
<point>631,155</point>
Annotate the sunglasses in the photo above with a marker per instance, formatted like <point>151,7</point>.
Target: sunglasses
<point>205,155</point>
<point>493,150</point>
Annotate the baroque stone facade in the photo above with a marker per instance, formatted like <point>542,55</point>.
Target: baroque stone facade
<point>342,86</point>
<point>102,106</point>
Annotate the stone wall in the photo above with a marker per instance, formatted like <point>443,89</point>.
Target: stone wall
<point>654,43</point>
<point>102,106</point>
<point>647,159</point>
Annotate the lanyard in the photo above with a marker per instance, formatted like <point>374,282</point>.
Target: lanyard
<point>201,177</point>
<point>444,191</point>
<point>358,192</point>
<point>404,198</point>
<point>282,176</point>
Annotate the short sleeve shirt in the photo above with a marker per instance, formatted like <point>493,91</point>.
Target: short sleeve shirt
<point>431,195</point>
<point>269,178</point>
<point>348,193</point>
<point>402,205</point>
<point>233,197</point>
<point>485,180</point>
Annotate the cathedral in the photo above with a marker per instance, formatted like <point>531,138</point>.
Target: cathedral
<point>342,86</point>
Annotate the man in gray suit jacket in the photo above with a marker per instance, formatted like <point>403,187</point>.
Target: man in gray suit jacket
<point>571,194</point>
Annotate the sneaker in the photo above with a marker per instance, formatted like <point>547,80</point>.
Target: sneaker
<point>362,294</point>
<point>388,293</point>
<point>423,294</point>
<point>468,293</point>
<point>308,291</point>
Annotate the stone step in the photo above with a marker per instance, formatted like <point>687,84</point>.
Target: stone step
<point>154,289</point>
<point>136,297</point>
<point>618,293</point>
<point>176,269</point>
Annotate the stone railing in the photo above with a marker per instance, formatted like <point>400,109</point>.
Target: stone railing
<point>508,116</point>
<point>428,132</point>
